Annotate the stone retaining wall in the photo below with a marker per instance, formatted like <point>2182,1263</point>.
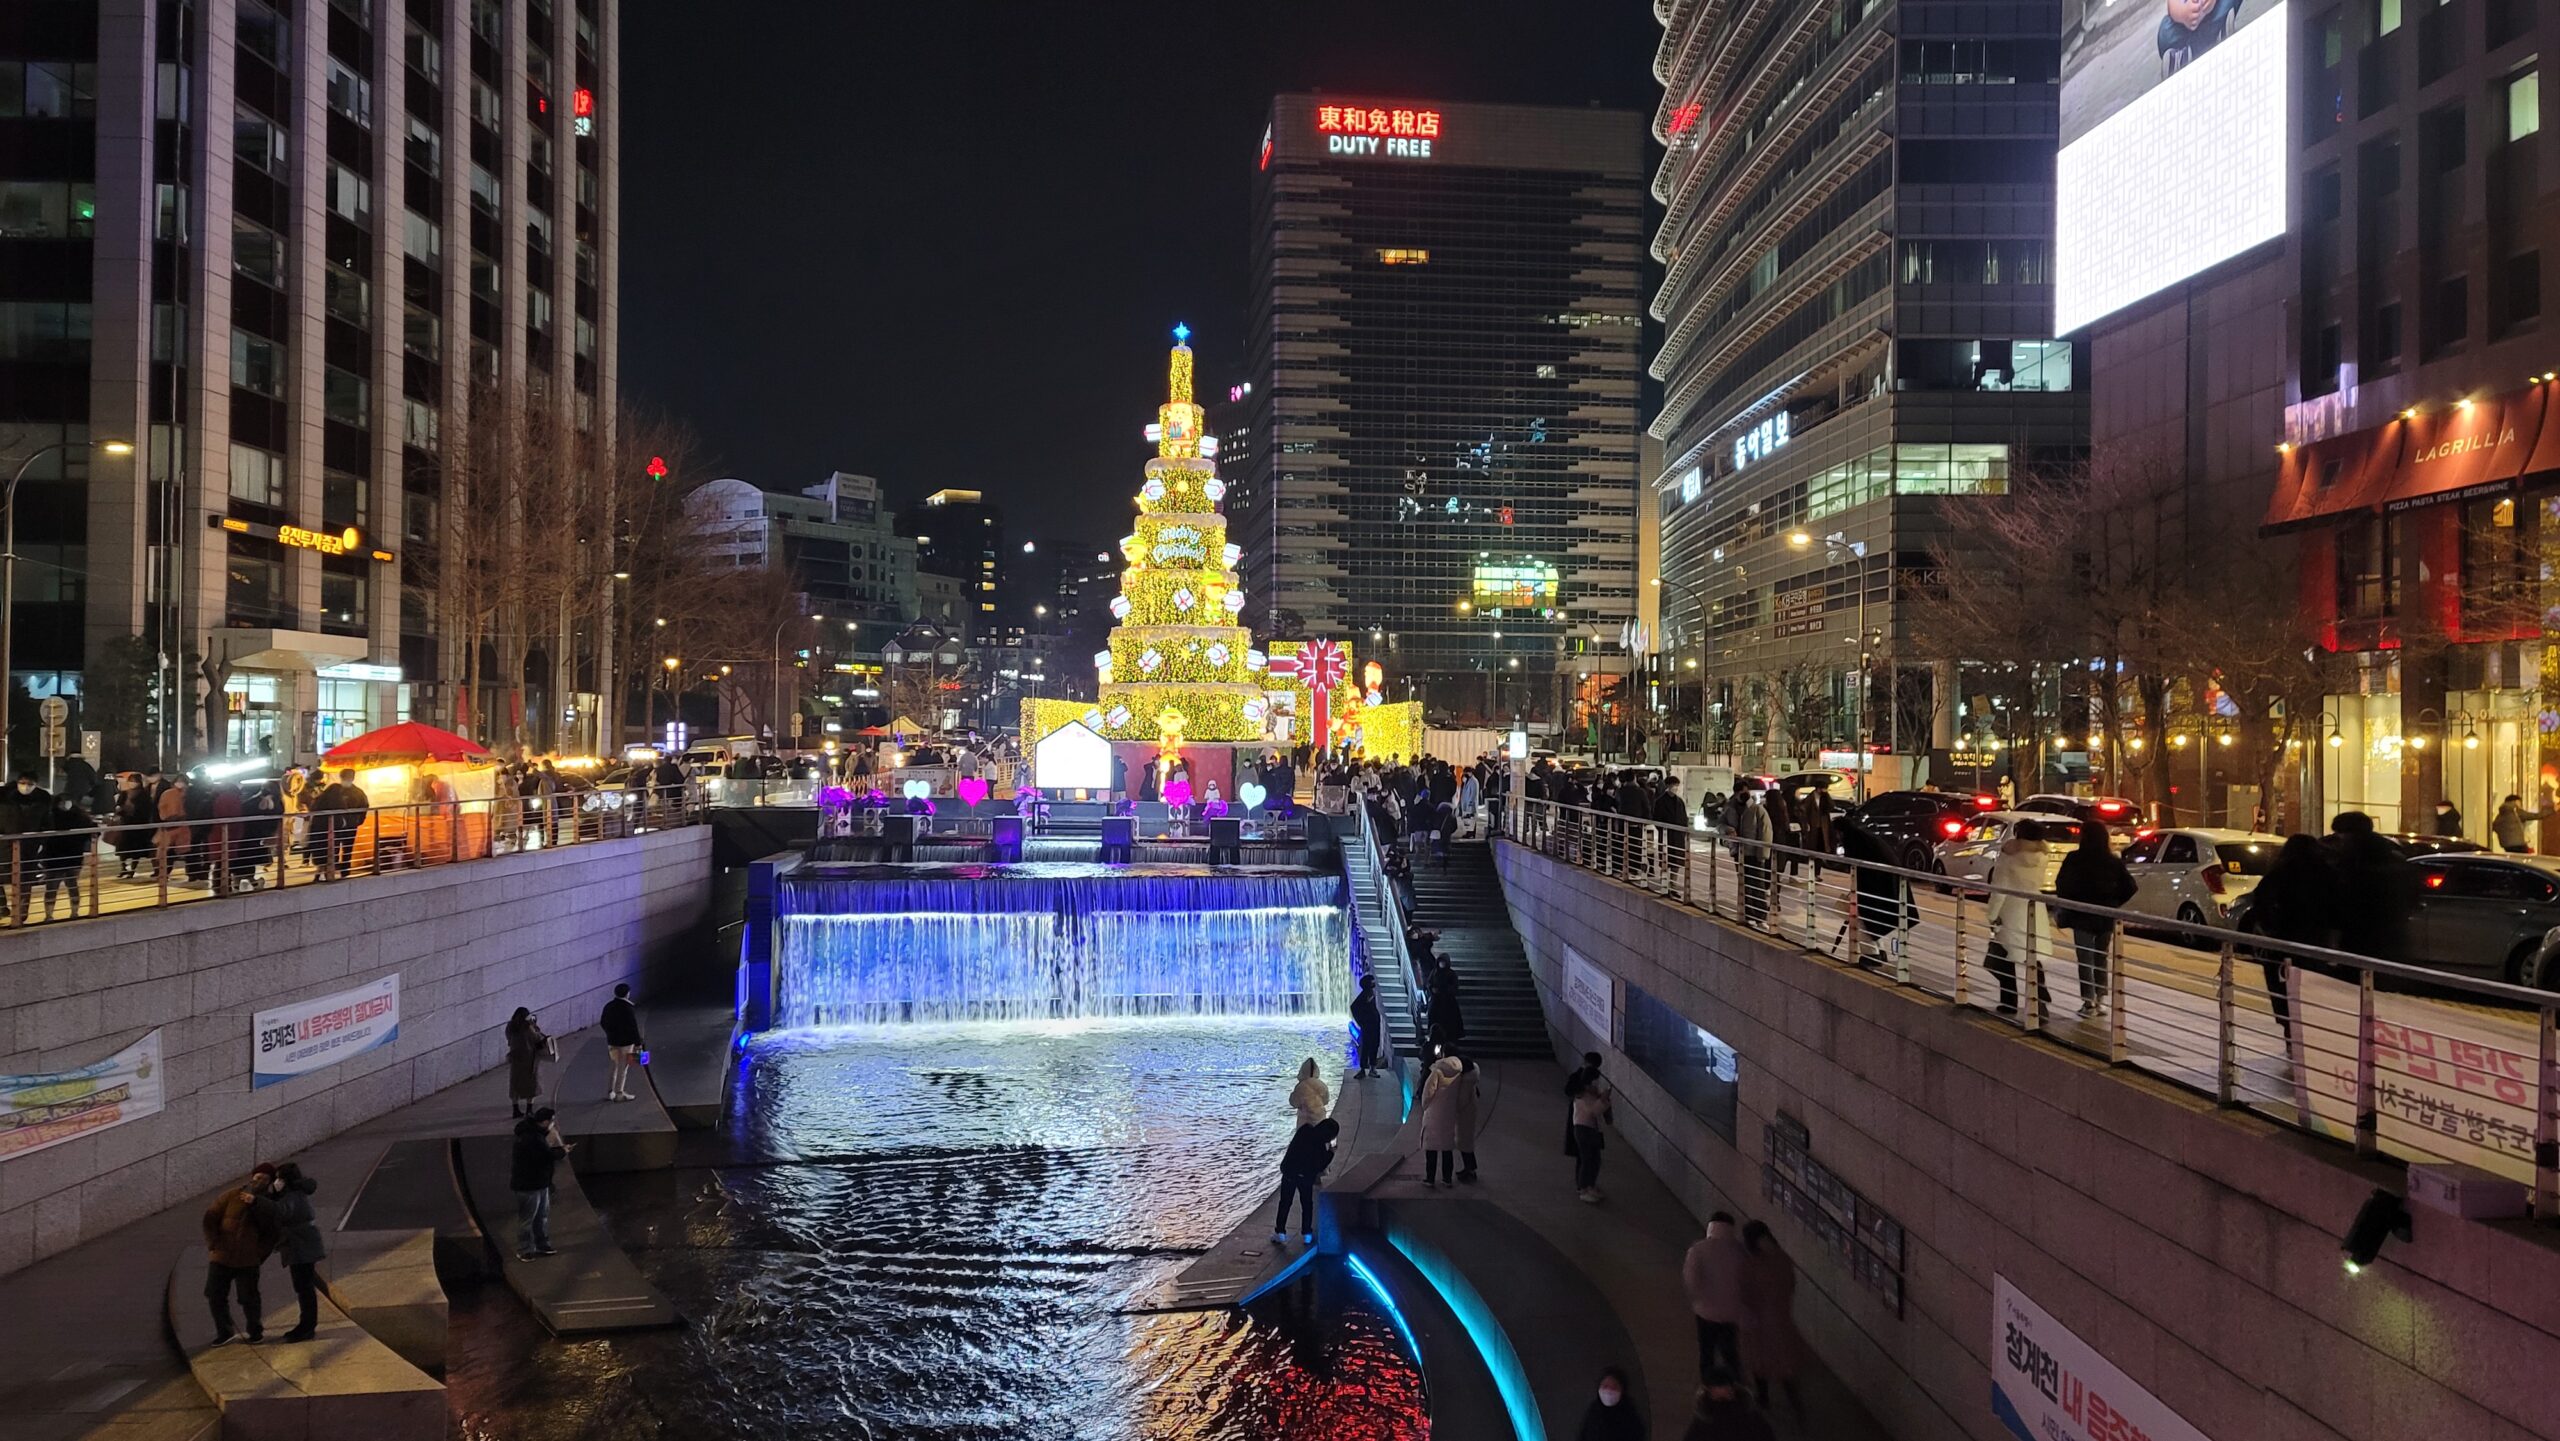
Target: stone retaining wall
<point>2195,1248</point>
<point>553,930</point>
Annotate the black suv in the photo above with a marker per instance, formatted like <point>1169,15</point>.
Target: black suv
<point>1911,823</point>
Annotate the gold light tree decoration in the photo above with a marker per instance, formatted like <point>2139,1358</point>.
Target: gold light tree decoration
<point>1177,645</point>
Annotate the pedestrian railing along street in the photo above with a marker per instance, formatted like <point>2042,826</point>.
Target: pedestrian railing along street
<point>110,867</point>
<point>2396,1059</point>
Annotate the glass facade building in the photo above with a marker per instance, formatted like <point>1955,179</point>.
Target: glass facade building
<point>1857,336</point>
<point>1435,428</point>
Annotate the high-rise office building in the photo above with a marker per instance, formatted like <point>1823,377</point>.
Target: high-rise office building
<point>836,539</point>
<point>1858,337</point>
<point>1439,392</point>
<point>960,536</point>
<point>273,247</point>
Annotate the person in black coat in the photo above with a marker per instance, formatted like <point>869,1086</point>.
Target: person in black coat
<point>1613,1414</point>
<point>63,850</point>
<point>2295,901</point>
<point>1371,1029</point>
<point>2092,875</point>
<point>1884,899</point>
<point>1448,1021</point>
<point>1310,1152</point>
<point>2376,887</point>
<point>534,1156</point>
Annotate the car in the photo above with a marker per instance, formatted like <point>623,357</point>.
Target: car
<point>2194,874</point>
<point>1968,856</point>
<point>1912,823</point>
<point>2122,818</point>
<point>2413,845</point>
<point>2488,916</point>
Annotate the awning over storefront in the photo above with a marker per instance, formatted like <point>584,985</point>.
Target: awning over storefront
<point>2337,476</point>
<point>288,649</point>
<point>2418,459</point>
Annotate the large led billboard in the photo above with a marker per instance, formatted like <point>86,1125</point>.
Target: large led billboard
<point>2173,147</point>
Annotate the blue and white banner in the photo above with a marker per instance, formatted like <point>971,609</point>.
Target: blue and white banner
<point>51,1107</point>
<point>305,1036</point>
<point>2048,1385</point>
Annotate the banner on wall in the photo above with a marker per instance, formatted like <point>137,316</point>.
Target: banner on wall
<point>2048,1385</point>
<point>2451,1082</point>
<point>1590,993</point>
<point>305,1036</point>
<point>49,1108</point>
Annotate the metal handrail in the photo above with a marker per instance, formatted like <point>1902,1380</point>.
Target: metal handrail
<point>2434,1067</point>
<point>220,857</point>
<point>1393,911</point>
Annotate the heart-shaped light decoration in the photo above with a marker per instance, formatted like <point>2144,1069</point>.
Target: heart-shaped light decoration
<point>917,790</point>
<point>1251,793</point>
<point>971,789</point>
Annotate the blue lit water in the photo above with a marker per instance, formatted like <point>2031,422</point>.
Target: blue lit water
<point>931,1231</point>
<point>890,945</point>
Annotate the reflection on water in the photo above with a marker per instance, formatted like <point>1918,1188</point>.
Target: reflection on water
<point>928,1234</point>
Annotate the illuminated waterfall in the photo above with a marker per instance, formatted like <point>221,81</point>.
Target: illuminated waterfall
<point>895,945</point>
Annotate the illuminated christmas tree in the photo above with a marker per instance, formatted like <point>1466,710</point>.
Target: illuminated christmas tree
<point>1178,661</point>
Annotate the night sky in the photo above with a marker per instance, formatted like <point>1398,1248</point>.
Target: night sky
<point>944,243</point>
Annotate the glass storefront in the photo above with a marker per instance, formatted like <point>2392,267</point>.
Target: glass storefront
<point>344,712</point>
<point>259,724</point>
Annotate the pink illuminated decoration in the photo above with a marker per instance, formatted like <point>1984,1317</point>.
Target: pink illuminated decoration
<point>1684,118</point>
<point>1354,120</point>
<point>970,789</point>
<point>1320,665</point>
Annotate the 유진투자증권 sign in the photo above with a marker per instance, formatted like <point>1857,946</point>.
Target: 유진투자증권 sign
<point>51,1107</point>
<point>305,1036</point>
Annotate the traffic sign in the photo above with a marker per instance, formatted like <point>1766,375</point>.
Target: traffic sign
<point>53,710</point>
<point>798,724</point>
<point>57,742</point>
<point>93,746</point>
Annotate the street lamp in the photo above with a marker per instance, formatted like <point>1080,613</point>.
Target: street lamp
<point>1700,663</point>
<point>1833,549</point>
<point>9,567</point>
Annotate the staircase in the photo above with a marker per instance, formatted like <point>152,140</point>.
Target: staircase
<point>1464,904</point>
<point>1378,931</point>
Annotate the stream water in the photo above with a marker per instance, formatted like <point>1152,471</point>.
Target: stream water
<point>932,1231</point>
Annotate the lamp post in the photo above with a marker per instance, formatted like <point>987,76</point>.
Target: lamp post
<point>777,674</point>
<point>1833,549</point>
<point>1701,603</point>
<point>9,567</point>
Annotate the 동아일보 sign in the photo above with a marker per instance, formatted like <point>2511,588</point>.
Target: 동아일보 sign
<point>305,1036</point>
<point>48,1108</point>
<point>2047,1385</point>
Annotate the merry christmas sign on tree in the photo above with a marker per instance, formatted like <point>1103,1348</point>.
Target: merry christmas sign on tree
<point>1179,661</point>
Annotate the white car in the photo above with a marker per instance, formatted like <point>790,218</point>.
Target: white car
<point>2194,874</point>
<point>1968,855</point>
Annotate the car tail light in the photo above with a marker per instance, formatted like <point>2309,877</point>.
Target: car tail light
<point>1986,802</point>
<point>1953,828</point>
<point>2111,808</point>
<point>2435,880</point>
<point>2143,832</point>
<point>2212,878</point>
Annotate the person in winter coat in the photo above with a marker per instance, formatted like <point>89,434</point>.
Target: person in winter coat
<point>1725,1414</point>
<point>1587,1096</point>
<point>302,1250</point>
<point>1884,899</point>
<point>223,839</point>
<point>64,851</point>
<point>1470,804</point>
<point>2296,901</point>
<point>241,1229</point>
<point>526,1047</point>
<point>621,1025</point>
<point>2507,826</point>
<point>2377,888</point>
<point>172,840</point>
<point>1448,1096</point>
<point>1370,1028</point>
<point>261,826</point>
<point>1752,831</point>
<point>1310,1151</point>
<point>1712,1275</point>
<point>1772,1348</point>
<point>135,810</point>
<point>1310,1098</point>
<point>1448,1019</point>
<point>1612,1415</point>
<point>2019,926</point>
<point>2448,820</point>
<point>536,1153</point>
<point>2093,875</point>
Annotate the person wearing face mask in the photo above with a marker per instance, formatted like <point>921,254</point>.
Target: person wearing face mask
<point>302,1250</point>
<point>1611,1416</point>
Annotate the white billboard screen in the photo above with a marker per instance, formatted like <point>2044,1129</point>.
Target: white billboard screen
<point>2173,155</point>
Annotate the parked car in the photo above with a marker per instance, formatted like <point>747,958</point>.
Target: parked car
<point>1968,856</point>
<point>2413,845</point>
<point>2122,818</point>
<point>2195,874</point>
<point>1912,823</point>
<point>2488,916</point>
